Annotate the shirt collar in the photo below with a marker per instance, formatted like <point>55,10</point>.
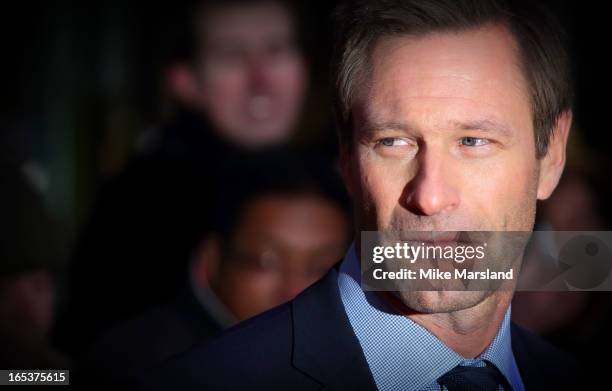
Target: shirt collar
<point>402,354</point>
<point>212,304</point>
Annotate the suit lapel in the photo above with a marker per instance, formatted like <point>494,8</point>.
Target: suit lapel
<point>541,366</point>
<point>325,346</point>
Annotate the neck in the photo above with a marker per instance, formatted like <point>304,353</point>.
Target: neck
<point>468,331</point>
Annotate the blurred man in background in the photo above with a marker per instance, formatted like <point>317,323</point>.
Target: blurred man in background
<point>237,78</point>
<point>245,71</point>
<point>279,225</point>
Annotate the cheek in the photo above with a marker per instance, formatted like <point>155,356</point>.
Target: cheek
<point>224,90</point>
<point>250,292</point>
<point>290,80</point>
<point>382,184</point>
<point>501,193</point>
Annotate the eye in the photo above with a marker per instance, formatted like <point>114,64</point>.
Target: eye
<point>392,142</point>
<point>473,141</point>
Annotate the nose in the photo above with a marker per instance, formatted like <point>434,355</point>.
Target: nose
<point>432,190</point>
<point>259,73</point>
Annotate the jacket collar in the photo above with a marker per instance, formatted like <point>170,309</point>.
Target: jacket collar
<point>325,346</point>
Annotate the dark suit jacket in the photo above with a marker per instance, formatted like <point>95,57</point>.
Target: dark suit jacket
<point>308,344</point>
<point>147,340</point>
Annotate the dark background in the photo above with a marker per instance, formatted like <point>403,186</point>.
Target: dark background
<point>82,80</point>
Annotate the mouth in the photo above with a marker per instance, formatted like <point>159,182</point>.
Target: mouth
<point>433,237</point>
<point>259,107</point>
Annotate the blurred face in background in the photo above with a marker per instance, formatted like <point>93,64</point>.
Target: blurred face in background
<point>282,244</point>
<point>249,77</point>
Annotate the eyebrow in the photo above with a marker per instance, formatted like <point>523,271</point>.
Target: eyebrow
<point>484,125</point>
<point>375,126</point>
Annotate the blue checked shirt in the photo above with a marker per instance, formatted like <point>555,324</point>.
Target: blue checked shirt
<point>401,354</point>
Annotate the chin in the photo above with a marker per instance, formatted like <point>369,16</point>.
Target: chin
<point>431,302</point>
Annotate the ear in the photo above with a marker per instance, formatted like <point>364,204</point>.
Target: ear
<point>552,164</point>
<point>182,83</point>
<point>206,261</point>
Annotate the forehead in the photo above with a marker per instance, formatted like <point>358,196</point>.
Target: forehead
<point>303,220</point>
<point>245,22</point>
<point>446,77</point>
<point>297,209</point>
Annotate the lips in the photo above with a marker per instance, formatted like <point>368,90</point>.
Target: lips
<point>433,237</point>
<point>260,107</point>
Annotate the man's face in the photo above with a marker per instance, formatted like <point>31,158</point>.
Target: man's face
<point>443,141</point>
<point>251,76</point>
<point>282,245</point>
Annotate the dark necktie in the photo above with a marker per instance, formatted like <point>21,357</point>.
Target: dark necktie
<point>464,378</point>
